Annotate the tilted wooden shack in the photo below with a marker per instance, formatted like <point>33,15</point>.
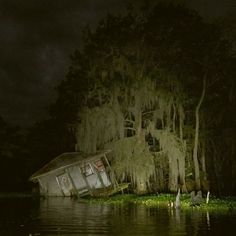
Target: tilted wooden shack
<point>77,174</point>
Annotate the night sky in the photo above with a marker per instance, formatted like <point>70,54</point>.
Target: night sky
<point>37,37</point>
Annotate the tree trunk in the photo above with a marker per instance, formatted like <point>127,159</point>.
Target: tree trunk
<point>195,150</point>
<point>141,185</point>
<point>204,160</point>
<point>173,173</point>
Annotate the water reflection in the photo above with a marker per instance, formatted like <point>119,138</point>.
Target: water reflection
<point>65,216</point>
<point>208,220</point>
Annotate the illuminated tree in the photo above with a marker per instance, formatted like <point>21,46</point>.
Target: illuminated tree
<point>138,87</point>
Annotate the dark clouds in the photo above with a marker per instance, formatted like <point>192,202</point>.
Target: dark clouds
<point>36,38</point>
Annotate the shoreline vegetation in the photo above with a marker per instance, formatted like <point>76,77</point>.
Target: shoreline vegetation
<point>226,204</point>
<point>167,200</point>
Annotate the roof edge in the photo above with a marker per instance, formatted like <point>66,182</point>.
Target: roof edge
<point>91,156</point>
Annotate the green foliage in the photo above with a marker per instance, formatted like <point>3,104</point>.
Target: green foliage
<point>133,158</point>
<point>164,200</point>
<point>175,151</point>
<point>141,74</point>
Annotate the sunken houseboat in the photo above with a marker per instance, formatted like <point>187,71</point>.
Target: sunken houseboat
<point>77,174</point>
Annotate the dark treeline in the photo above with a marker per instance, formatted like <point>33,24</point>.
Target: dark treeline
<point>157,86</point>
<point>23,151</point>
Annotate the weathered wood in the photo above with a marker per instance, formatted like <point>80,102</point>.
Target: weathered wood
<point>86,181</point>
<point>75,192</point>
<point>106,192</point>
<point>108,164</point>
<point>59,186</point>
<point>66,180</point>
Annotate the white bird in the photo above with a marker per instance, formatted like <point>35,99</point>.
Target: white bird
<point>208,196</point>
<point>177,200</point>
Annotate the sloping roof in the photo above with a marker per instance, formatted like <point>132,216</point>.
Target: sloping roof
<point>65,160</point>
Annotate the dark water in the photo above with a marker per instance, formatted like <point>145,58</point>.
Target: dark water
<point>65,216</point>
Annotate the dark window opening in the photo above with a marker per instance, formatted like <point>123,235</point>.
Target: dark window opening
<point>87,169</point>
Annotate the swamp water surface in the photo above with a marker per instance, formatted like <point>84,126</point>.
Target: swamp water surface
<point>69,217</point>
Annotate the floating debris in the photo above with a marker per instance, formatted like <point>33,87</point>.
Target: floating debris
<point>196,200</point>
